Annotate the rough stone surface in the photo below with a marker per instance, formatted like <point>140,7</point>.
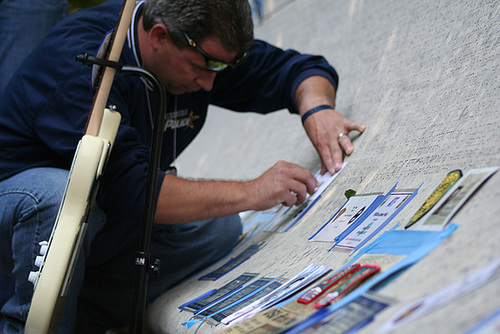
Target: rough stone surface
<point>425,78</point>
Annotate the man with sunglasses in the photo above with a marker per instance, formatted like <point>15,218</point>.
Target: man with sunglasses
<point>204,53</point>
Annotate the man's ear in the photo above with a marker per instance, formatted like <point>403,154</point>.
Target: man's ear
<point>159,36</point>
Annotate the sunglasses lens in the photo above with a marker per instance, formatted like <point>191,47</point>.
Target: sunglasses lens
<point>212,63</point>
<point>216,65</point>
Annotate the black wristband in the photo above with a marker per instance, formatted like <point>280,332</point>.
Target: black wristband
<point>315,109</point>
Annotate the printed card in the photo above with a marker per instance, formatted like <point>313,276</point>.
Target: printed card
<point>348,215</point>
<point>377,220</point>
<point>452,201</point>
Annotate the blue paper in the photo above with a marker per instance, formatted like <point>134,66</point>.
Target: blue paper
<point>414,244</point>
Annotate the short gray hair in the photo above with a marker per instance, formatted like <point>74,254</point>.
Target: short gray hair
<point>228,20</point>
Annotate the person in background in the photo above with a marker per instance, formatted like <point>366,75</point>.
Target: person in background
<point>257,10</point>
<point>23,24</point>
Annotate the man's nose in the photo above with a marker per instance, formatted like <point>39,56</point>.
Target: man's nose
<point>206,80</point>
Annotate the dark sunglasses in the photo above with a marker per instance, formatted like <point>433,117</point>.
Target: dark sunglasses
<point>212,63</point>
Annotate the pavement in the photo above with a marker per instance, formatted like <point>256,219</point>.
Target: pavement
<point>424,77</point>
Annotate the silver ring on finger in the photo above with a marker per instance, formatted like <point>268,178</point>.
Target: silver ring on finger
<point>342,134</point>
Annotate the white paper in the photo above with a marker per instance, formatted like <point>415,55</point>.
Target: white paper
<point>441,297</point>
<point>375,220</point>
<point>324,181</point>
<point>349,213</point>
<point>450,203</point>
<point>287,216</point>
<point>305,277</point>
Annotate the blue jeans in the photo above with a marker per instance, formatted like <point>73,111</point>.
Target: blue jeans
<point>23,23</point>
<point>29,202</point>
<point>102,289</point>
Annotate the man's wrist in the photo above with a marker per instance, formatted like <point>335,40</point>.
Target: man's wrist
<point>314,110</point>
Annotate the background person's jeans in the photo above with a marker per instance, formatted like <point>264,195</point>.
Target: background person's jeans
<point>23,24</point>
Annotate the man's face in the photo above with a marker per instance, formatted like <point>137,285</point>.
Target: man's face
<point>183,70</point>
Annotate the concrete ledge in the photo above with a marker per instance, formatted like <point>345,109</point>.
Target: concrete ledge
<point>424,77</point>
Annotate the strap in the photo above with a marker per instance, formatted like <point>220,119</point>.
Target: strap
<point>315,109</point>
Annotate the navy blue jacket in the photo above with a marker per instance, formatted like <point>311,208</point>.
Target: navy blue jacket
<point>44,108</point>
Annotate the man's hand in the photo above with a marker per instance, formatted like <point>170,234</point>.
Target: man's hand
<point>327,129</point>
<point>328,132</point>
<point>183,201</point>
<point>285,183</point>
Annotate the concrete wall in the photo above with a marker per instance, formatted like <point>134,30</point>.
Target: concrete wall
<point>424,76</point>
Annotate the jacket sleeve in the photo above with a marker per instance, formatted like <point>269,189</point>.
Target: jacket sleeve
<point>123,187</point>
<point>268,79</point>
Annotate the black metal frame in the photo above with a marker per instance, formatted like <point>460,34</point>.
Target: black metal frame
<point>143,261</point>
